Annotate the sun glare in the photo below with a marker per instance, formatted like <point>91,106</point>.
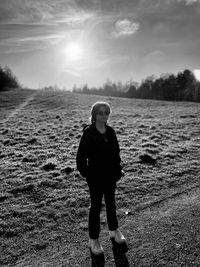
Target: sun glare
<point>74,51</point>
<point>197,74</point>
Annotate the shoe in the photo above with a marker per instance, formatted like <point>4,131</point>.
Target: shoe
<point>95,246</point>
<point>117,236</point>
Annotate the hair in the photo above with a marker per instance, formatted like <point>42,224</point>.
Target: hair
<point>95,109</point>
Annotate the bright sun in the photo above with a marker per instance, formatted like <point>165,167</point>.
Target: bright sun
<point>74,51</point>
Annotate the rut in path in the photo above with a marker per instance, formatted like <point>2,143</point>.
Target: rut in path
<point>19,108</point>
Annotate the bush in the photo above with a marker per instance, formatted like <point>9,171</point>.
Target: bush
<point>7,79</point>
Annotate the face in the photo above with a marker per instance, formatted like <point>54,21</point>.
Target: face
<point>102,115</point>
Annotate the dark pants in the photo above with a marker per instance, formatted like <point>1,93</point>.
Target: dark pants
<point>97,191</point>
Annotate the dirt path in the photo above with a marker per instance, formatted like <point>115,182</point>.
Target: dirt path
<point>165,234</point>
<point>19,108</point>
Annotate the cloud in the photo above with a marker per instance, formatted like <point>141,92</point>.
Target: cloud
<point>16,45</point>
<point>72,72</point>
<point>21,11</point>
<point>153,56</point>
<point>84,67</point>
<point>189,2</point>
<point>42,11</point>
<point>96,64</point>
<point>125,27</point>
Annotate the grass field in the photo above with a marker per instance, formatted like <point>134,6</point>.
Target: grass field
<point>43,199</point>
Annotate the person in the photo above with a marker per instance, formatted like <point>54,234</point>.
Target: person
<point>98,160</point>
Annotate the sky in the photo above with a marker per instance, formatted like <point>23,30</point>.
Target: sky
<point>68,42</point>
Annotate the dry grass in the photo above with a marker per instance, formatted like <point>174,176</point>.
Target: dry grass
<point>44,201</point>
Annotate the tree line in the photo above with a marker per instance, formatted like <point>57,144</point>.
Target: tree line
<point>181,87</point>
<point>7,79</point>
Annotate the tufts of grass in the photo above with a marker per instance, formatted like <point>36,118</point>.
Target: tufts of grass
<point>82,212</point>
<point>152,151</point>
<point>67,170</point>
<point>71,202</point>
<point>58,117</point>
<point>52,137</point>
<point>76,126</point>
<point>29,158</point>
<point>170,155</point>
<point>4,196</point>
<point>49,165</point>
<point>9,233</point>
<point>156,136</point>
<point>40,246</point>
<point>132,148</point>
<point>27,188</point>
<point>54,173</point>
<point>145,158</point>
<point>5,131</point>
<point>18,154</point>
<point>49,183</point>
<point>51,154</point>
<point>32,141</point>
<point>6,142</point>
<point>83,226</point>
<point>142,126</point>
<point>140,131</point>
<point>2,155</point>
<point>149,144</point>
<point>71,134</point>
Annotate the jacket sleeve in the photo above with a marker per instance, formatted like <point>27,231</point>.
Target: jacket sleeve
<point>81,157</point>
<point>118,169</point>
<point>117,149</point>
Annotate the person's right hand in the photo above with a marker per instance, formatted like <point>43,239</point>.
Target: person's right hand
<point>122,173</point>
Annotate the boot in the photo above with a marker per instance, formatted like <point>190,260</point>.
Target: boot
<point>117,236</point>
<point>95,246</point>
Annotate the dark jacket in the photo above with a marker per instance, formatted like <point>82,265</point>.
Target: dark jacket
<point>98,155</point>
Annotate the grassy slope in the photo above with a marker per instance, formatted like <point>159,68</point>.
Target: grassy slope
<point>44,208</point>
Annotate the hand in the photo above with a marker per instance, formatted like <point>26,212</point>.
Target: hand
<point>122,173</point>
